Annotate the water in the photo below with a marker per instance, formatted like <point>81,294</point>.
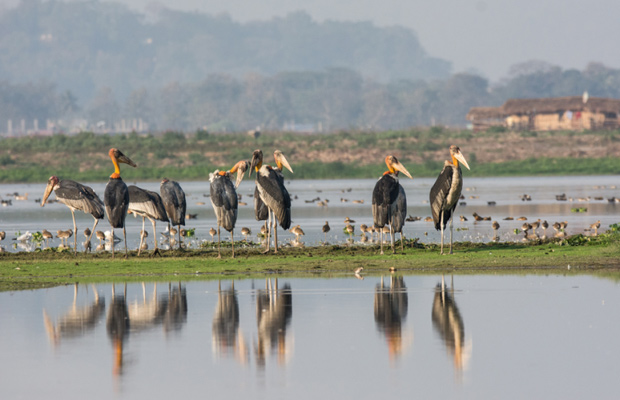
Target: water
<point>484,337</point>
<point>27,215</point>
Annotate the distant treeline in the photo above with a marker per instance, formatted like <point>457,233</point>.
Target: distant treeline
<point>91,65</point>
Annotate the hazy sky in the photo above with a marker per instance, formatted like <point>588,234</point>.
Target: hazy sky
<point>485,36</point>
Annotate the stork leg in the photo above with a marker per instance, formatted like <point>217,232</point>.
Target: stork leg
<point>441,225</point>
<point>74,233</point>
<point>381,240</point>
<point>232,239</point>
<point>275,234</point>
<point>112,242</point>
<point>402,240</point>
<point>141,237</point>
<point>179,235</point>
<point>219,255</point>
<point>156,251</point>
<point>125,239</point>
<point>392,234</point>
<point>451,231</point>
<point>268,245</point>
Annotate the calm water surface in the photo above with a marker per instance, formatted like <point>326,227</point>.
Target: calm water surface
<point>581,192</point>
<point>484,337</point>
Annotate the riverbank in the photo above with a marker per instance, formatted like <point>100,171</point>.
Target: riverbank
<point>356,154</point>
<point>51,268</point>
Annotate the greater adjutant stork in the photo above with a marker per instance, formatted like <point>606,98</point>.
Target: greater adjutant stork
<point>261,211</point>
<point>270,185</point>
<point>446,192</point>
<point>77,197</point>
<point>388,198</point>
<point>116,195</point>
<point>147,204</point>
<point>174,203</point>
<point>224,200</point>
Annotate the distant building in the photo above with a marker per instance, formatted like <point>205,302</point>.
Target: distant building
<point>550,114</point>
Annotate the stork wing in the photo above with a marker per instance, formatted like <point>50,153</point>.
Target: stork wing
<point>439,195</point>
<point>80,197</point>
<point>383,195</point>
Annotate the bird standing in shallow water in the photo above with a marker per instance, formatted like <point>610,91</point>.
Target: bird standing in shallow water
<point>326,229</point>
<point>446,191</point>
<point>387,199</point>
<point>174,202</point>
<point>116,196</point>
<point>147,204</point>
<point>225,201</point>
<point>77,197</point>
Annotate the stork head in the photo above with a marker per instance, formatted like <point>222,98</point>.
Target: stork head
<point>394,165</point>
<point>240,168</point>
<point>117,157</point>
<point>457,156</point>
<point>281,161</point>
<point>52,184</point>
<point>257,161</point>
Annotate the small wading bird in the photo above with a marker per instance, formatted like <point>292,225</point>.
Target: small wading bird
<point>326,229</point>
<point>271,190</point>
<point>385,199</point>
<point>446,191</point>
<point>261,211</point>
<point>116,196</point>
<point>77,197</point>
<point>225,201</point>
<point>147,204</point>
<point>174,202</point>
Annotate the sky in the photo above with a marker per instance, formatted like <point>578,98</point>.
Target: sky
<point>481,36</point>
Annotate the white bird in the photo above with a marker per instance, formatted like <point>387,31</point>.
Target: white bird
<point>24,237</point>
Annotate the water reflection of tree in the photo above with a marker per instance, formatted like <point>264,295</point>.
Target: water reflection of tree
<point>77,321</point>
<point>274,311</point>
<point>227,337</point>
<point>390,312</point>
<point>449,324</point>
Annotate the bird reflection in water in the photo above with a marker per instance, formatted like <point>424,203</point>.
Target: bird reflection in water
<point>77,321</point>
<point>169,311</point>
<point>391,306</point>
<point>274,310</point>
<point>227,336</point>
<point>449,324</point>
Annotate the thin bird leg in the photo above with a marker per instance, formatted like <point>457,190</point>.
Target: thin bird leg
<point>124,239</point>
<point>232,239</point>
<point>179,235</point>
<point>381,241</point>
<point>92,232</point>
<point>141,238</point>
<point>392,234</point>
<point>402,240</point>
<point>219,255</point>
<point>441,225</point>
<point>275,233</point>
<point>74,233</point>
<point>112,242</point>
<point>451,231</point>
<point>154,232</point>
<point>268,244</point>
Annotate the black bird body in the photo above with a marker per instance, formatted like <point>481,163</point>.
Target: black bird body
<point>446,191</point>
<point>174,202</point>
<point>77,197</point>
<point>271,192</point>
<point>224,200</point>
<point>116,196</point>
<point>445,194</point>
<point>389,202</point>
<point>147,204</point>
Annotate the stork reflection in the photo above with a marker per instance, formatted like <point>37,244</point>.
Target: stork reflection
<point>274,310</point>
<point>118,327</point>
<point>391,306</point>
<point>448,322</point>
<point>77,321</point>
<point>227,337</point>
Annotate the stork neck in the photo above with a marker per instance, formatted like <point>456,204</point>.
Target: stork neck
<point>117,170</point>
<point>455,161</point>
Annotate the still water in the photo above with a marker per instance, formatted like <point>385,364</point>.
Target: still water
<point>347,198</point>
<point>483,337</point>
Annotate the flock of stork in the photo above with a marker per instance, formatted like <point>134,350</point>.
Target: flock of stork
<point>272,202</point>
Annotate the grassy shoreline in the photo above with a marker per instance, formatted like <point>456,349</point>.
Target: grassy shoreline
<point>20,271</point>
